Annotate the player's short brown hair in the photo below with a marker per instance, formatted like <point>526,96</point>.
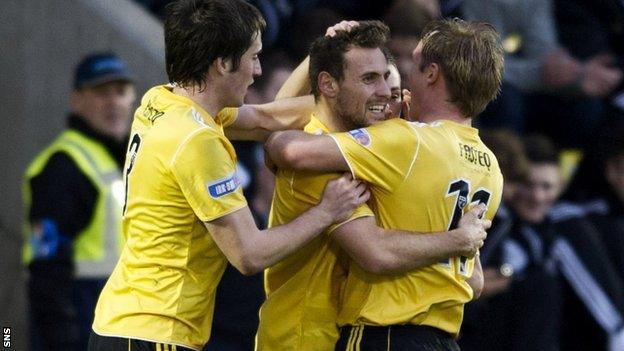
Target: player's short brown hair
<point>199,31</point>
<point>470,56</point>
<point>327,53</point>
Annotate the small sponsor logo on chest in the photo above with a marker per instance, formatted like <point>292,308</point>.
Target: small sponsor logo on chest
<point>361,136</point>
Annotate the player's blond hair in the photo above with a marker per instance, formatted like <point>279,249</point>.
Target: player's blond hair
<point>470,56</point>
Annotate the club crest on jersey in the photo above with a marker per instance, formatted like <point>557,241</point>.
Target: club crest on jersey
<point>361,136</point>
<point>223,187</point>
<point>462,201</point>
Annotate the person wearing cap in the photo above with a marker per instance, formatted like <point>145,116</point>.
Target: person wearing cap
<point>73,194</point>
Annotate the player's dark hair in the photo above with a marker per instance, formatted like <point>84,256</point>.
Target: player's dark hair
<point>199,31</point>
<point>327,53</point>
<point>391,59</point>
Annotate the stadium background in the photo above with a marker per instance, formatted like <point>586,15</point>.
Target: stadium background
<point>42,40</point>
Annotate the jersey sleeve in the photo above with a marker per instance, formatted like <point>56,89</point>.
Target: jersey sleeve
<point>362,211</point>
<point>227,116</point>
<point>381,155</point>
<point>205,170</point>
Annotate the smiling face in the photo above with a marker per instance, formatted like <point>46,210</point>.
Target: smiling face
<point>539,193</point>
<point>239,80</point>
<point>363,94</point>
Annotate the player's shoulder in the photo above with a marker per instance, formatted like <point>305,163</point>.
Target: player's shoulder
<point>433,130</point>
<point>173,116</point>
<point>390,128</point>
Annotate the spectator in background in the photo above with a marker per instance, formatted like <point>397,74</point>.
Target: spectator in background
<point>593,33</point>
<point>561,279</point>
<point>73,193</point>
<point>509,151</point>
<point>597,189</point>
<point>520,297</point>
<point>406,20</point>
<point>536,63</point>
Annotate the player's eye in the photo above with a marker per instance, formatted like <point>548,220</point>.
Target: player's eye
<point>368,79</point>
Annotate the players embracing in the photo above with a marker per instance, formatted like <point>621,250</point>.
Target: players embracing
<point>423,175</point>
<point>394,275</point>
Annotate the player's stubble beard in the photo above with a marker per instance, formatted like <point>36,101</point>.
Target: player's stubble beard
<point>354,119</point>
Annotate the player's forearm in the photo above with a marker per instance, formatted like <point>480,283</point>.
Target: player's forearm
<point>305,152</point>
<point>476,281</point>
<point>256,122</point>
<point>254,135</point>
<point>291,113</point>
<point>298,83</point>
<point>273,244</point>
<point>280,148</point>
<point>400,251</point>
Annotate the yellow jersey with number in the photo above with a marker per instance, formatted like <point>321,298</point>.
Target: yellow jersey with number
<point>303,289</point>
<point>179,173</point>
<point>422,177</point>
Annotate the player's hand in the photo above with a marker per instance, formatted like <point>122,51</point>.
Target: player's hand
<point>472,230</point>
<point>342,26</point>
<point>342,196</point>
<point>405,104</point>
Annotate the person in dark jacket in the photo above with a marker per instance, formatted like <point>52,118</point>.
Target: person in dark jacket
<point>562,281</point>
<point>73,193</point>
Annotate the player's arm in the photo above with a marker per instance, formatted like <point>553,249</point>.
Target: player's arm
<point>256,122</point>
<point>298,83</point>
<point>385,251</point>
<point>303,151</point>
<point>251,250</point>
<point>476,281</point>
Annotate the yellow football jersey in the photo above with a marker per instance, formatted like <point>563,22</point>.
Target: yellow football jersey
<point>422,176</point>
<point>180,172</point>
<point>303,289</point>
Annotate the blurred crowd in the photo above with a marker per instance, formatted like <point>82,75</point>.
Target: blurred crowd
<point>554,259</point>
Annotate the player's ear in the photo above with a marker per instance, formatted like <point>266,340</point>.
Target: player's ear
<point>432,72</point>
<point>222,65</point>
<point>327,85</point>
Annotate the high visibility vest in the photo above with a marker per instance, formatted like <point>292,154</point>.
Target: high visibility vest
<point>96,249</point>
